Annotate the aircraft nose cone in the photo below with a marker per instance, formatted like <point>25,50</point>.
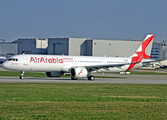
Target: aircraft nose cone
<point>5,65</point>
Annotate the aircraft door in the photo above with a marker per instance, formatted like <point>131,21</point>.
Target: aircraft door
<point>25,60</point>
<point>75,61</point>
<point>102,61</point>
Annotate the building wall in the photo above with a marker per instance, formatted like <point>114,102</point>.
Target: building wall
<point>32,46</point>
<point>86,48</point>
<point>41,46</point>
<point>114,47</point>
<point>8,49</point>
<point>76,46</point>
<point>66,46</point>
<point>155,53</point>
<point>27,45</point>
<point>58,46</point>
<point>163,53</point>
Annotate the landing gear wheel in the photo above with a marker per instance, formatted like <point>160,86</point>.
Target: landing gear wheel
<point>73,78</point>
<point>91,77</point>
<point>21,77</point>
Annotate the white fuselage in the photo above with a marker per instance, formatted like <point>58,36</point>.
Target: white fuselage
<point>79,66</point>
<point>63,63</point>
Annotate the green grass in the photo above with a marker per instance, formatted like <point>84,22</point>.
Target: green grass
<point>16,74</point>
<point>82,101</point>
<point>148,73</point>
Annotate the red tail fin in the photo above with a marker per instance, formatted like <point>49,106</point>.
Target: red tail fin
<point>143,51</point>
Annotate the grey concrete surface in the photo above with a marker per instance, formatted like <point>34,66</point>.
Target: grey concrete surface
<point>125,79</point>
<point>120,79</point>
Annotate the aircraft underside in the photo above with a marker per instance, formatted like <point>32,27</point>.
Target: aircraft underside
<point>82,72</point>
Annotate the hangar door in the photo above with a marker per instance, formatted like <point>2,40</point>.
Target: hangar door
<point>58,48</point>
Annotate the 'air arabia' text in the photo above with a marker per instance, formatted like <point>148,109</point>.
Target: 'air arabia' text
<point>46,60</point>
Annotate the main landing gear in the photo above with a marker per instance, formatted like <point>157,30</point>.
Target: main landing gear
<point>73,78</point>
<point>22,75</point>
<point>91,77</point>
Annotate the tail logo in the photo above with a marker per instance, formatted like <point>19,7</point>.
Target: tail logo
<point>140,53</point>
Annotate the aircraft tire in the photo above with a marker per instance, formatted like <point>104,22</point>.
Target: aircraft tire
<point>91,77</point>
<point>73,78</point>
<point>21,77</point>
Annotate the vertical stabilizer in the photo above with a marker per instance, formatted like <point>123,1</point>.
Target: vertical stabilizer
<point>144,51</point>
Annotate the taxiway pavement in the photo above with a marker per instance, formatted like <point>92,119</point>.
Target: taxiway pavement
<point>120,79</point>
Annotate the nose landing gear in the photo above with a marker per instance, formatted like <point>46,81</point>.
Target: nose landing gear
<point>22,75</point>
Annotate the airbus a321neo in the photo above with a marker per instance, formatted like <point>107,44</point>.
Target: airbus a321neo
<point>79,66</point>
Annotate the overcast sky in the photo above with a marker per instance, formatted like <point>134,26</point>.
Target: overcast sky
<point>112,19</point>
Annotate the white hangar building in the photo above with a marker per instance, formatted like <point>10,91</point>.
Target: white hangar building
<point>93,47</point>
<point>66,46</point>
<point>86,47</point>
<point>120,48</point>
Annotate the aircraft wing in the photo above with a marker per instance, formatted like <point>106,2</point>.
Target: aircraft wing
<point>148,60</point>
<point>106,66</point>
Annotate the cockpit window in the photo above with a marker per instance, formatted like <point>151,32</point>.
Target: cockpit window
<point>12,59</point>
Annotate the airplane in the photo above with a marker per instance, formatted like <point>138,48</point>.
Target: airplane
<point>2,59</point>
<point>79,66</point>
